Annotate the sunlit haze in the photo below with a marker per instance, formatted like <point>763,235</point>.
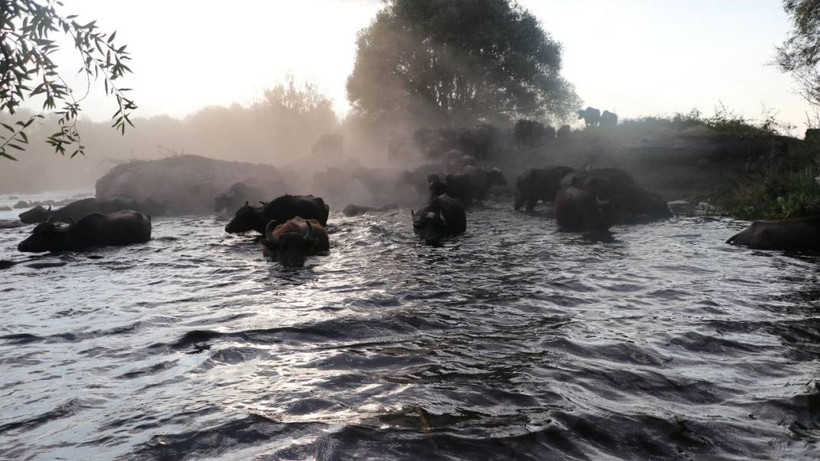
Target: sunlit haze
<point>637,57</point>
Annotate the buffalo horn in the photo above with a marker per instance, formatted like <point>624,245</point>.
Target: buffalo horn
<point>49,208</point>
<point>269,231</point>
<point>309,233</point>
<point>246,203</point>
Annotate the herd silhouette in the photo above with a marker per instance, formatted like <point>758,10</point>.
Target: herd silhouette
<point>293,227</point>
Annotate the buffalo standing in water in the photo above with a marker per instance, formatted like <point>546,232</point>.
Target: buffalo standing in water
<point>291,242</point>
<point>441,217</point>
<point>472,183</point>
<point>579,210</point>
<point>790,235</point>
<point>279,210</point>
<point>634,203</point>
<point>80,208</point>
<point>538,184</point>
<point>93,230</point>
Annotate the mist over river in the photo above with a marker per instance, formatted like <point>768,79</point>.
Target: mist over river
<point>513,341</point>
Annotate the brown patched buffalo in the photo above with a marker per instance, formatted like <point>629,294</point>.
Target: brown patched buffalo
<point>790,235</point>
<point>291,242</point>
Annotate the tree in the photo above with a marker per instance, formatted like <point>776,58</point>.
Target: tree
<point>800,53</point>
<point>295,115</point>
<point>458,62</point>
<point>27,71</point>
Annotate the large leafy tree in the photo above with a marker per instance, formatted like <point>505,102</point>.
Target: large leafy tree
<point>27,71</point>
<point>800,54</point>
<point>458,62</point>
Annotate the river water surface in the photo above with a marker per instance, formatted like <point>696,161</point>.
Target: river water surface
<point>513,341</point>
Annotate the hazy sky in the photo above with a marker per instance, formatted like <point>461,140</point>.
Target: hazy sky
<point>634,57</point>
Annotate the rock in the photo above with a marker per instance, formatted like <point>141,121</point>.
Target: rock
<point>185,184</point>
<point>680,207</point>
<point>705,209</point>
<point>11,224</point>
<point>22,204</point>
<point>5,208</point>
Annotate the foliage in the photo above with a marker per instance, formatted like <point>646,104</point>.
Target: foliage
<point>723,121</point>
<point>776,195</point>
<point>458,62</point>
<point>27,71</point>
<point>295,115</point>
<point>800,53</point>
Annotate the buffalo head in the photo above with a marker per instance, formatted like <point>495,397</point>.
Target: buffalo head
<point>47,236</point>
<point>430,226</point>
<point>289,248</point>
<point>35,215</point>
<point>245,219</point>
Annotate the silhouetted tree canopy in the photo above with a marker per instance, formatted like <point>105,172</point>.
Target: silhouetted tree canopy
<point>458,62</point>
<point>28,71</point>
<point>800,53</point>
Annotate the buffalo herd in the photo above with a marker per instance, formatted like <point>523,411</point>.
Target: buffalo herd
<point>292,227</point>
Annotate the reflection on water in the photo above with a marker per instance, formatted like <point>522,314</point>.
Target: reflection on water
<point>513,341</point>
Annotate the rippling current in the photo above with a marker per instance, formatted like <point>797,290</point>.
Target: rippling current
<point>513,341</point>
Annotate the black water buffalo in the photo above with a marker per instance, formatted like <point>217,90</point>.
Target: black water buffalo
<point>537,184</point>
<point>93,230</point>
<point>278,210</point>
<point>236,195</point>
<point>420,176</point>
<point>580,210</point>
<point>356,210</point>
<point>591,116</point>
<point>292,241</point>
<point>471,183</point>
<point>80,208</point>
<point>634,203</point>
<point>441,217</point>
<point>563,133</point>
<point>328,145</point>
<point>609,119</point>
<point>790,235</point>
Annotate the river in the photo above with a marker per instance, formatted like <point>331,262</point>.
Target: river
<point>513,341</point>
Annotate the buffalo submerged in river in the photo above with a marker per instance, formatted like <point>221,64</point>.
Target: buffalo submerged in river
<point>76,210</point>
<point>605,197</point>
<point>291,242</point>
<point>278,210</point>
<point>538,184</point>
<point>441,217</point>
<point>788,235</point>
<point>93,230</point>
<point>470,184</point>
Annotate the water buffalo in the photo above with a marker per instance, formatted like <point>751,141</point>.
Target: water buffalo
<point>80,208</point>
<point>635,204</point>
<point>609,119</point>
<point>591,116</point>
<point>537,184</point>
<point>531,133</point>
<point>279,210</point>
<point>93,230</point>
<point>790,235</point>
<point>441,217</point>
<point>237,194</point>
<point>292,241</point>
<point>356,210</point>
<point>328,145</point>
<point>563,133</point>
<point>579,210</point>
<point>471,183</point>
